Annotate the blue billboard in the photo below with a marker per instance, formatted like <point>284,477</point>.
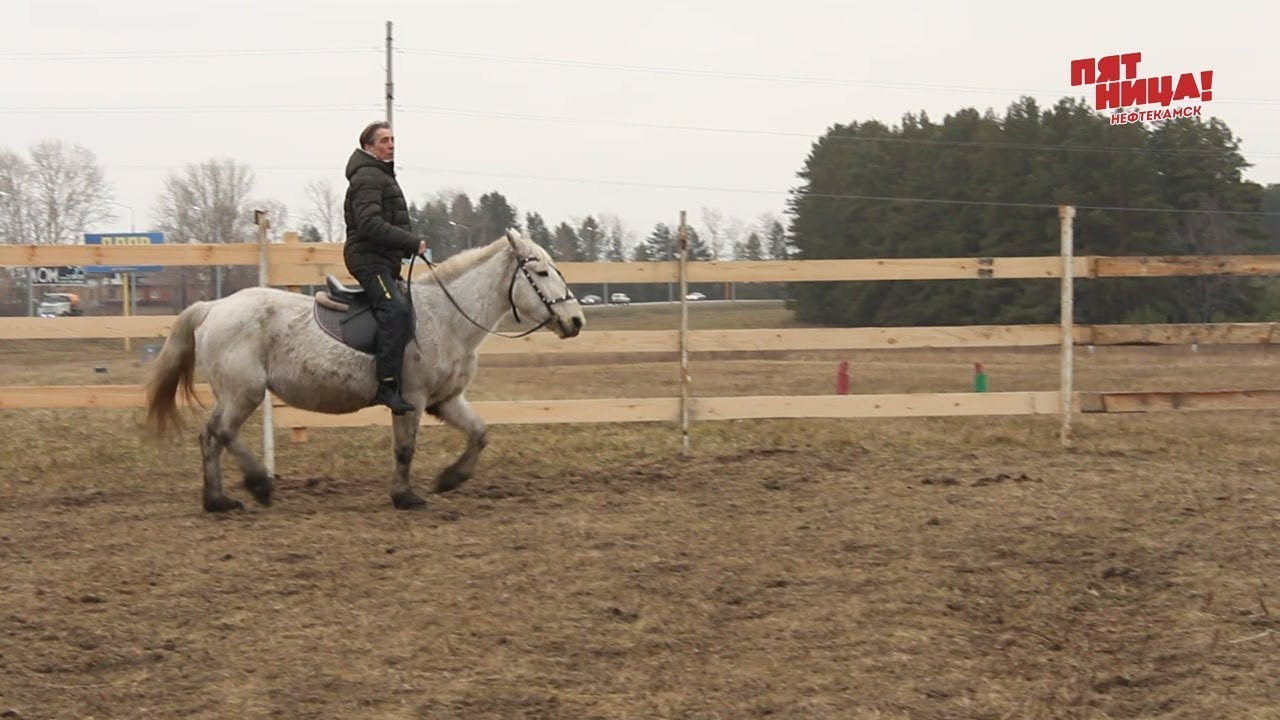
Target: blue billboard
<point>130,238</point>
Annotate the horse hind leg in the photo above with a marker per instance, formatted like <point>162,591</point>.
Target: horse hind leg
<point>211,444</point>
<point>222,431</point>
<point>256,479</point>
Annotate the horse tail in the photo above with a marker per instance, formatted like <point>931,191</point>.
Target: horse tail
<point>174,370</point>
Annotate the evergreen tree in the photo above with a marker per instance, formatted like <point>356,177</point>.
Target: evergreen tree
<point>494,217</point>
<point>567,246</point>
<point>591,240</point>
<point>1271,204</point>
<point>659,245</point>
<point>750,249</point>
<point>538,231</point>
<point>777,241</point>
<point>462,222</point>
<point>698,248</point>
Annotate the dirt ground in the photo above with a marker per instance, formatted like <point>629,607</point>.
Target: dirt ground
<point>909,568</point>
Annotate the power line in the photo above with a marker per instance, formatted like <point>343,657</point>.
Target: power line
<point>829,196</point>
<point>180,109</point>
<point>464,112</point>
<point>179,54</point>
<point>694,72</point>
<point>429,109</point>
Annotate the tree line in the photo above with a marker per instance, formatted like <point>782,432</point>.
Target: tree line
<point>1003,175</point>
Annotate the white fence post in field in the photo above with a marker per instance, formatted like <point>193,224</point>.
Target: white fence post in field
<point>268,427</point>
<point>1066,218</point>
<point>684,334</point>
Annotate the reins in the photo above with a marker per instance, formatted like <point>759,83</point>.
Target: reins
<point>520,267</point>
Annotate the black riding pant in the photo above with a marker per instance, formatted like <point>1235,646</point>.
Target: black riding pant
<point>394,316</point>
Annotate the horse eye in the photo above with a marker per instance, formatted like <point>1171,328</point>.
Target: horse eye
<point>543,273</point>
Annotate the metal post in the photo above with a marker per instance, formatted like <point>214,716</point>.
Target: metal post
<point>268,427</point>
<point>1066,217</point>
<point>124,305</point>
<point>684,335</point>
<point>390,84</point>
<point>297,434</point>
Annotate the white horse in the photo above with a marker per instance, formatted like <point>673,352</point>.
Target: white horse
<point>261,339</point>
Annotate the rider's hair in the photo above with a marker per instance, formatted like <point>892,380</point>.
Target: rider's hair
<point>366,135</point>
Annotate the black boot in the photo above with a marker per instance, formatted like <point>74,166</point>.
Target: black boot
<point>389,395</point>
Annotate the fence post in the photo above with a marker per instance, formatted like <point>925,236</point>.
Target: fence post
<point>296,434</point>
<point>268,427</point>
<point>1066,220</point>
<point>684,334</point>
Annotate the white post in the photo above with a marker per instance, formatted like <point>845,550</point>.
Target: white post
<point>268,427</point>
<point>684,335</point>
<point>1066,218</point>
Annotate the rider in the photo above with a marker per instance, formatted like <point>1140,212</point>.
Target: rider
<point>379,237</point>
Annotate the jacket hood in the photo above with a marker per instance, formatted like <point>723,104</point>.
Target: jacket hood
<point>359,158</point>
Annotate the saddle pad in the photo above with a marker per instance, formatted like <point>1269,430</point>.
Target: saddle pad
<point>330,321</point>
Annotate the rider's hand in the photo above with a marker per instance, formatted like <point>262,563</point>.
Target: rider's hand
<point>422,248</point>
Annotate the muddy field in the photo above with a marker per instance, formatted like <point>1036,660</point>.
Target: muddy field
<point>923,568</point>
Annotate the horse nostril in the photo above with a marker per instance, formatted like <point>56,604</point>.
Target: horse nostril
<point>577,323</point>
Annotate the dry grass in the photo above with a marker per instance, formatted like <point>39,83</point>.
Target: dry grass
<point>906,568</point>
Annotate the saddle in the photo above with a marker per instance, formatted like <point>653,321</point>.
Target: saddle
<point>345,313</point>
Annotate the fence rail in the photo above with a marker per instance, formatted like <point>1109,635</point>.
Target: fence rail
<point>293,264</point>
<point>615,342</point>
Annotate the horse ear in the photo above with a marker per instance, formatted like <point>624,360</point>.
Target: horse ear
<point>512,236</point>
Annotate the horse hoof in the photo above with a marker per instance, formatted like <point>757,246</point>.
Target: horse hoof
<point>222,504</point>
<point>450,479</point>
<point>407,500</point>
<point>260,487</point>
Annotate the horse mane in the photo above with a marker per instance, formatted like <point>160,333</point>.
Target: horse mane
<point>455,266</point>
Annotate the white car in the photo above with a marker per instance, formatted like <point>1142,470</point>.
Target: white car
<point>619,299</point>
<point>695,296</point>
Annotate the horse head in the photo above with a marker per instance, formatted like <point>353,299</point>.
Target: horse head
<point>539,290</point>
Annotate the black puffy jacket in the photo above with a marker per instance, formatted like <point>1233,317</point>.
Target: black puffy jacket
<point>379,233</point>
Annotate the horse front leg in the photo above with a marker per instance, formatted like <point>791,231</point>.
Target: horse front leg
<point>457,412</point>
<point>405,435</point>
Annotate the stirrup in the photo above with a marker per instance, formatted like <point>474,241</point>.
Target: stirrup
<point>388,394</point>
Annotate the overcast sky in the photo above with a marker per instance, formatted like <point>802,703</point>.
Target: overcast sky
<point>472,123</point>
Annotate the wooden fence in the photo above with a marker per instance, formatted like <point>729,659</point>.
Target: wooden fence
<point>292,264</point>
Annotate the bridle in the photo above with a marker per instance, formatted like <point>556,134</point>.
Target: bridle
<point>522,263</point>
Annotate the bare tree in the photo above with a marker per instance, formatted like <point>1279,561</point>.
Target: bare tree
<point>278,215</point>
<point>15,202</point>
<point>67,192</point>
<point>209,203</point>
<point>733,235</point>
<point>620,239</point>
<point>713,224</point>
<point>325,212</point>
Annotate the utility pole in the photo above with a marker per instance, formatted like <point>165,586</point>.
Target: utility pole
<point>390,85</point>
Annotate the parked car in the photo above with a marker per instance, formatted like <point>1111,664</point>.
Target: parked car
<point>59,305</point>
<point>695,296</point>
<point>619,299</point>
<point>590,300</point>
